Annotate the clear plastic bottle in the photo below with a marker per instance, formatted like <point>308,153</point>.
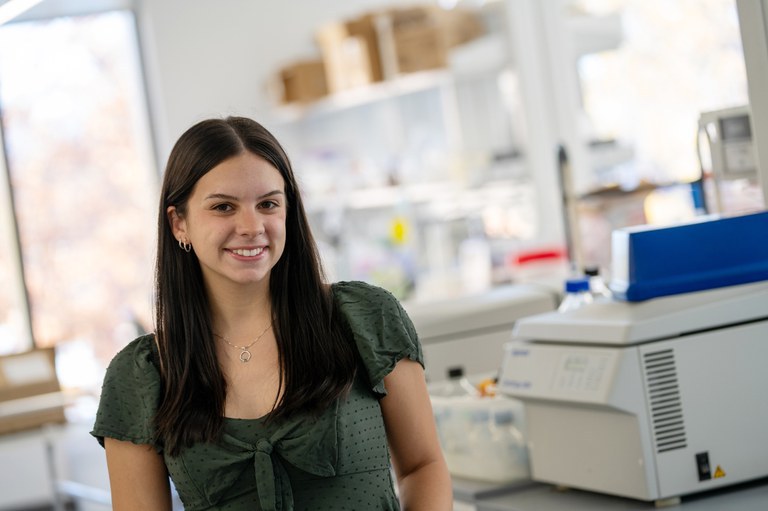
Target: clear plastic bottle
<point>452,403</point>
<point>456,385</point>
<point>480,444</point>
<point>577,294</point>
<point>511,449</point>
<point>597,285</point>
<point>469,388</point>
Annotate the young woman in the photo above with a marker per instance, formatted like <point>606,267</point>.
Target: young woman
<point>263,387</point>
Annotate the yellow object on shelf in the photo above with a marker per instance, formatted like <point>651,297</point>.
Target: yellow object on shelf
<point>399,230</point>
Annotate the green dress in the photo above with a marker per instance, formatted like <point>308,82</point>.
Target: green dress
<point>336,461</point>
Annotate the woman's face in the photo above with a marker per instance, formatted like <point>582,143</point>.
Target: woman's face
<point>235,221</point>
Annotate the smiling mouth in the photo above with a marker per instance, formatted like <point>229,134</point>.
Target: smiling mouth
<point>248,253</point>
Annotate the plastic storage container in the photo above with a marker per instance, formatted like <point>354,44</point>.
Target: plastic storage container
<point>482,438</point>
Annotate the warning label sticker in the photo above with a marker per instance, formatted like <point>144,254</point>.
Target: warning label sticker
<point>719,472</point>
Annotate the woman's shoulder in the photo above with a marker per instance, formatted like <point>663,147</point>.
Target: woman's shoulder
<point>360,293</point>
<point>139,355</point>
<point>366,306</point>
<point>129,394</point>
<point>382,331</point>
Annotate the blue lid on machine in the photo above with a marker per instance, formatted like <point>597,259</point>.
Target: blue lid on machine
<point>708,253</point>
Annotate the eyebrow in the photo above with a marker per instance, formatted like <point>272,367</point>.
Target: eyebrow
<point>224,196</point>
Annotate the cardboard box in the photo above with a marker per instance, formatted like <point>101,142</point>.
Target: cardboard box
<point>411,40</point>
<point>366,29</point>
<point>420,38</point>
<point>461,26</point>
<point>379,45</point>
<point>30,394</point>
<point>350,53</point>
<point>419,50</point>
<point>303,81</point>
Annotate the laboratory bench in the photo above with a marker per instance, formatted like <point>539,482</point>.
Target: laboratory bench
<point>532,496</point>
<point>473,490</point>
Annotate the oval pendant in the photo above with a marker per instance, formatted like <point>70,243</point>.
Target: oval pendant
<point>245,356</point>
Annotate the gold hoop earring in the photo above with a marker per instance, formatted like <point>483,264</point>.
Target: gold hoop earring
<point>185,246</point>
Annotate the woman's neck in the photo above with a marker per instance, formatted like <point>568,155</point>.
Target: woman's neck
<point>237,312</point>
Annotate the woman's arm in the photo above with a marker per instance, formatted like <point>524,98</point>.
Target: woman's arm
<point>138,478</point>
<point>422,475</point>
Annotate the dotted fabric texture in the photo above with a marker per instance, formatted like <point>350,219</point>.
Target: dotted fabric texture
<point>336,461</point>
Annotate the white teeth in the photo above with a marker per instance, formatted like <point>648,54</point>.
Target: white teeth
<point>248,253</point>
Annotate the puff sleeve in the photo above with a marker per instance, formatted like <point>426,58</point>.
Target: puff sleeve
<point>130,395</point>
<point>382,331</point>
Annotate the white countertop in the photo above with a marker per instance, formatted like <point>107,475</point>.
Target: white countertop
<point>751,496</point>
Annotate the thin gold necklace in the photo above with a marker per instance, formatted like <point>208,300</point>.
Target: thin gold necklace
<point>245,355</point>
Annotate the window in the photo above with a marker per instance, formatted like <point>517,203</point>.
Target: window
<point>84,186</point>
<point>676,60</point>
<point>15,332</point>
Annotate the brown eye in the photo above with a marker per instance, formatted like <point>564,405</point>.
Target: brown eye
<point>269,204</point>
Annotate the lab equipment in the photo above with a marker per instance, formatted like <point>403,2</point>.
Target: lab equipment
<point>726,152</point>
<point>482,438</point>
<point>714,251</point>
<point>469,332</point>
<point>729,147</point>
<point>462,338</point>
<point>648,400</point>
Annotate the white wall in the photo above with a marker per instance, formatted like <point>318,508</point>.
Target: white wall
<point>207,58</point>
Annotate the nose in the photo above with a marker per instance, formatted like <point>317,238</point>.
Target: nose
<point>249,223</point>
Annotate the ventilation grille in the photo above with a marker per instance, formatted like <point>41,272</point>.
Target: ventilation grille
<point>664,395</point>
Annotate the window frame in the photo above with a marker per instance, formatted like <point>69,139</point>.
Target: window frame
<point>43,11</point>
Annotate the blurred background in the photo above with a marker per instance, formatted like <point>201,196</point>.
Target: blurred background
<point>433,173</point>
<point>444,148</point>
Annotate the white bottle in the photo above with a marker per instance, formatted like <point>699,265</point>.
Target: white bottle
<point>512,451</point>
<point>453,399</point>
<point>597,285</point>
<point>475,265</point>
<point>455,386</point>
<point>577,294</point>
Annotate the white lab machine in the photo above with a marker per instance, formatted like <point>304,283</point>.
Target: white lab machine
<point>650,400</point>
<point>469,332</point>
<point>727,152</point>
<point>727,134</point>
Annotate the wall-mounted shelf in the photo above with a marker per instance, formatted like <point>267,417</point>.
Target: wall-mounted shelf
<point>360,96</point>
<point>384,196</point>
<point>460,198</point>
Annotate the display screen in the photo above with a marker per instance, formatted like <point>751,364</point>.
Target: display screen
<point>737,127</point>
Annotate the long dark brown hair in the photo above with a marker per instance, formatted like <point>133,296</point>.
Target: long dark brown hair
<point>317,365</point>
